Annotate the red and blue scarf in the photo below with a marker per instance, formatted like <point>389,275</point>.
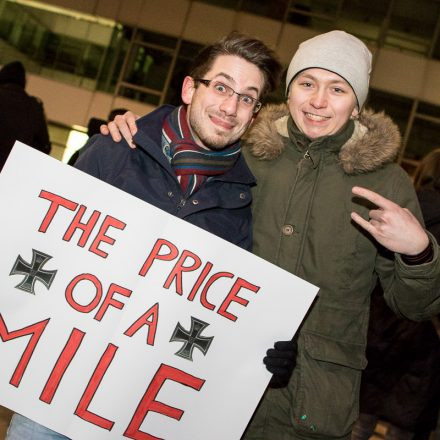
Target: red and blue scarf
<point>192,163</point>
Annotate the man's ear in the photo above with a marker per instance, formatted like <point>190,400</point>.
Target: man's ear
<point>188,89</point>
<point>354,113</point>
<point>252,120</point>
<point>288,94</point>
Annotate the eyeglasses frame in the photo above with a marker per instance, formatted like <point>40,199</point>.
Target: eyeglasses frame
<point>207,82</point>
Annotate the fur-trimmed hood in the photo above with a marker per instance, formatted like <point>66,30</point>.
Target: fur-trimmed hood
<point>374,142</point>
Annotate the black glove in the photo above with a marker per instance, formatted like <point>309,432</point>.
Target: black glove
<point>281,361</point>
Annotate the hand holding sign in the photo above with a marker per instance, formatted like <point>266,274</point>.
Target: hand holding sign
<point>281,361</point>
<point>394,227</point>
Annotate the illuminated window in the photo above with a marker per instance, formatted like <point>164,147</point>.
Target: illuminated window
<point>75,140</point>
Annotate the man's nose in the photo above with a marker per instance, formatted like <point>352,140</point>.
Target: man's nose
<point>229,105</point>
<point>319,98</point>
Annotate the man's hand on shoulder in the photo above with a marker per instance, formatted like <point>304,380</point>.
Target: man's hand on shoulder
<point>123,126</point>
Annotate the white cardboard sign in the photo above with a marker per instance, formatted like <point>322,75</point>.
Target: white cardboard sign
<point>118,320</point>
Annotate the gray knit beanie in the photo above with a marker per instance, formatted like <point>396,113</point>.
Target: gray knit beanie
<point>338,52</point>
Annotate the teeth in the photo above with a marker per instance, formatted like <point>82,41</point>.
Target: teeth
<point>316,117</point>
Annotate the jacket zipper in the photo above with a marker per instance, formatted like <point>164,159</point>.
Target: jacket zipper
<point>309,206</point>
<point>306,156</point>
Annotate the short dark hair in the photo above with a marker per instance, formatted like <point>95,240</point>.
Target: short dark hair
<point>250,49</point>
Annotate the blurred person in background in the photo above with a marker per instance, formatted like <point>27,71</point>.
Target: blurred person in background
<point>21,115</point>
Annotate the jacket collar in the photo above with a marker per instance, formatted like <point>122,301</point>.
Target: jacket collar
<point>329,143</point>
<point>149,135</point>
<point>149,139</point>
<point>374,142</point>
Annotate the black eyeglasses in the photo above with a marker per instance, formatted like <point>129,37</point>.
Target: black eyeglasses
<point>226,91</point>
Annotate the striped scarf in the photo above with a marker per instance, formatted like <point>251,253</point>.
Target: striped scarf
<point>192,163</point>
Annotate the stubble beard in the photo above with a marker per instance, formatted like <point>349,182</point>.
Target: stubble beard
<point>216,142</point>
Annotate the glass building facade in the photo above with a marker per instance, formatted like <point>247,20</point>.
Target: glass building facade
<point>110,56</point>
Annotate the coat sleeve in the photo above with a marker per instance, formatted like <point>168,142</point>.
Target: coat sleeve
<point>411,291</point>
<point>89,159</point>
<point>101,157</point>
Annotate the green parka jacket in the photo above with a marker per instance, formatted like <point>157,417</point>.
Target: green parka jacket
<point>301,207</point>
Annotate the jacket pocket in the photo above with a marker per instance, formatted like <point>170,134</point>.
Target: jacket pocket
<point>325,393</point>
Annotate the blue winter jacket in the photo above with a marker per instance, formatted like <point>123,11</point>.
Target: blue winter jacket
<point>221,206</point>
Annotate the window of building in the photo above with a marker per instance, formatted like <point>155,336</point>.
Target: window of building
<point>138,94</point>
<point>395,106</point>
<point>113,60</point>
<point>364,19</point>
<point>54,42</point>
<point>319,14</point>
<point>425,131</point>
<point>270,9</point>
<point>148,67</point>
<point>435,50</point>
<point>412,24</point>
<point>429,110</point>
<point>153,39</point>
<point>230,4</point>
<point>424,137</point>
<point>185,58</point>
<point>139,64</point>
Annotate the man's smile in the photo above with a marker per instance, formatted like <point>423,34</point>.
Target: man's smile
<point>314,117</point>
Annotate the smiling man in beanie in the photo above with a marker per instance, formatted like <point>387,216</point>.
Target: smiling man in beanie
<point>333,207</point>
<point>321,163</point>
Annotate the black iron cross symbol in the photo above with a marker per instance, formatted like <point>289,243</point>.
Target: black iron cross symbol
<point>33,271</point>
<point>192,338</point>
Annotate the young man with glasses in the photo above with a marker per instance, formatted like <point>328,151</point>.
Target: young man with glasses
<point>188,161</point>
